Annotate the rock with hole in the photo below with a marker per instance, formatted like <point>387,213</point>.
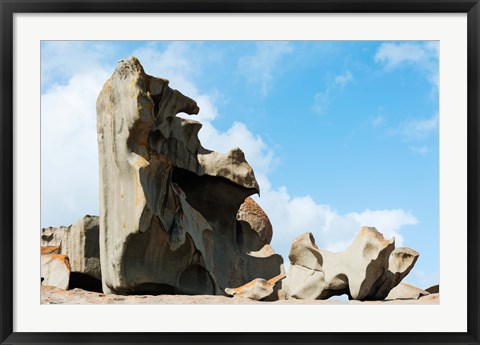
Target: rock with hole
<point>367,270</point>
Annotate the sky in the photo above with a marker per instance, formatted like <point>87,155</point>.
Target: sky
<point>340,134</point>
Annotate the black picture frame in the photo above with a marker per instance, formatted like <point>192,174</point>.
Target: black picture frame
<point>9,7</point>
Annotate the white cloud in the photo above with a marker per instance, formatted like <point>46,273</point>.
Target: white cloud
<point>238,135</point>
<point>60,60</point>
<point>422,279</point>
<point>292,216</point>
<point>260,68</point>
<point>418,129</point>
<point>378,121</point>
<point>344,78</point>
<point>421,150</point>
<point>322,99</point>
<point>422,55</point>
<point>69,164</point>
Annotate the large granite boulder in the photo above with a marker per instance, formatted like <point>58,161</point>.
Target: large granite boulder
<point>168,206</point>
<point>367,270</point>
<point>80,242</point>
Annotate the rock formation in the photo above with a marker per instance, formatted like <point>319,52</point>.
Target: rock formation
<point>79,242</point>
<point>168,206</point>
<point>406,291</point>
<point>400,264</point>
<point>433,289</point>
<point>55,270</point>
<point>52,236</point>
<point>367,270</point>
<point>258,289</point>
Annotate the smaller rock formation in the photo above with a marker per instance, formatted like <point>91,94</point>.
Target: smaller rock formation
<point>367,270</point>
<point>258,289</point>
<point>406,291</point>
<point>55,270</point>
<point>433,289</point>
<point>80,242</point>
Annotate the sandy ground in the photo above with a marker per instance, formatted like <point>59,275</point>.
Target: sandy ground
<point>52,295</point>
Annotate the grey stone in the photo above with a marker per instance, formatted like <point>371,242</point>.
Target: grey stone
<point>168,206</point>
<point>80,242</point>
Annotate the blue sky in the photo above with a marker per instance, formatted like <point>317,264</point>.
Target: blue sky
<point>340,133</point>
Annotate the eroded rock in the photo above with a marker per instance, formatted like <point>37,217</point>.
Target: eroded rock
<point>80,242</point>
<point>52,236</point>
<point>55,270</point>
<point>253,214</point>
<point>168,206</point>
<point>258,289</point>
<point>366,270</point>
<point>433,289</point>
<point>406,291</point>
<point>400,264</point>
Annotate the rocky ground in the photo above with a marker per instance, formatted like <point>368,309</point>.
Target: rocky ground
<point>52,295</point>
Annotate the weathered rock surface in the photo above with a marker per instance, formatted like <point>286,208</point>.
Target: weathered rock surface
<point>400,264</point>
<point>55,270</point>
<point>366,270</point>
<point>406,291</point>
<point>253,214</point>
<point>258,289</point>
<point>168,206</point>
<point>433,289</point>
<point>52,236</point>
<point>52,295</point>
<point>80,242</point>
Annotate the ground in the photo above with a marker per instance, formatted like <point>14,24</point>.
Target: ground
<point>52,295</point>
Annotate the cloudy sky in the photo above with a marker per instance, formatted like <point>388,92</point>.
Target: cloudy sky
<point>340,134</point>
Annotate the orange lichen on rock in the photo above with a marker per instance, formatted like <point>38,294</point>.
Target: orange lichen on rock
<point>253,214</point>
<point>50,249</point>
<point>61,258</point>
